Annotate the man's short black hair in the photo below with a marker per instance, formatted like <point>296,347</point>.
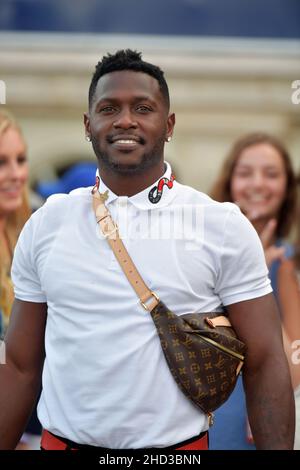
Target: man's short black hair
<point>128,60</point>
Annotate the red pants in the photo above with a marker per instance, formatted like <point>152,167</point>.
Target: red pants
<point>51,442</point>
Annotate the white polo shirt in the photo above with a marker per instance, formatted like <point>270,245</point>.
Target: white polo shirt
<point>105,380</point>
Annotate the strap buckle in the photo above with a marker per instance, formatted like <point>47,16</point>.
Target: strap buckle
<point>211,418</point>
<point>114,230</point>
<point>146,306</point>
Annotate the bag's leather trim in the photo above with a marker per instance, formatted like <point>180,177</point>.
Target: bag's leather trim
<point>218,321</point>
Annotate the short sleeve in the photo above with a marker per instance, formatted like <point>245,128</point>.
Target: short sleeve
<point>24,274</point>
<point>243,274</point>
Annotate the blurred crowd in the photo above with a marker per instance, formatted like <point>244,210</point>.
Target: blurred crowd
<point>257,175</point>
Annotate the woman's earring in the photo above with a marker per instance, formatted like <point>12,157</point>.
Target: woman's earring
<point>88,138</point>
<point>169,139</point>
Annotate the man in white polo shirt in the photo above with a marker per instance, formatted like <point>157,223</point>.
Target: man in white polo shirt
<point>106,383</point>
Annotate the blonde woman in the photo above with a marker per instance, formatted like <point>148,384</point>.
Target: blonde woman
<point>14,207</point>
<point>258,176</point>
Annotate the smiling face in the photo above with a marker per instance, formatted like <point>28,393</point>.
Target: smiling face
<point>13,170</point>
<point>128,122</point>
<point>259,181</point>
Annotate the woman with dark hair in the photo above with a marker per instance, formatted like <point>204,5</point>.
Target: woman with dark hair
<point>294,346</point>
<point>258,176</point>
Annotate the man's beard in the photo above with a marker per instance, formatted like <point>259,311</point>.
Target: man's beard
<point>149,159</point>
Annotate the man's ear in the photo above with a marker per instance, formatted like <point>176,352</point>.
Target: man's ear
<point>170,124</point>
<point>86,121</point>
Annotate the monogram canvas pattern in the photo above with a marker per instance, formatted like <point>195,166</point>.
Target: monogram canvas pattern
<point>205,372</point>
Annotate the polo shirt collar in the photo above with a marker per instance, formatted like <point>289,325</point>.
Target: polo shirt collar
<point>158,195</point>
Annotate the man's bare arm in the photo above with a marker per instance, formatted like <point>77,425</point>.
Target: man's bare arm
<point>269,394</point>
<point>289,298</point>
<point>20,376</point>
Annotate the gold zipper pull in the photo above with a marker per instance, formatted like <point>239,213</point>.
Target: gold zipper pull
<point>211,419</point>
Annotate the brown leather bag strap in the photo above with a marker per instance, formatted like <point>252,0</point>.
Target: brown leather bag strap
<point>110,231</point>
